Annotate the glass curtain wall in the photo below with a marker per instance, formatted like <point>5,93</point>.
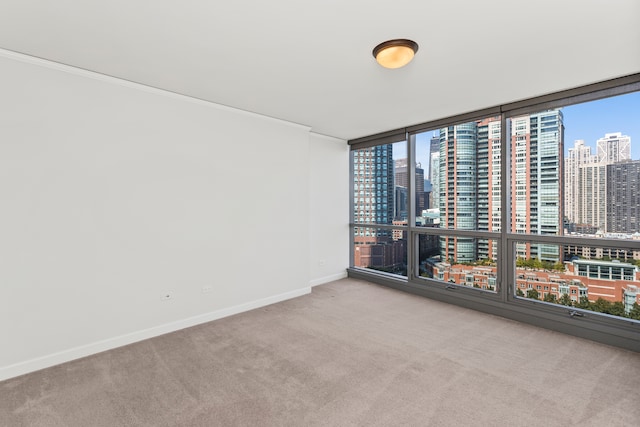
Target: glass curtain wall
<point>581,174</point>
<point>529,207</point>
<point>462,183</point>
<point>379,208</point>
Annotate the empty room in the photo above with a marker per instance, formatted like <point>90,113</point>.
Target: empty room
<point>319,213</point>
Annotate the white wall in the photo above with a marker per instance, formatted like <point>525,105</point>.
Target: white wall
<point>114,194</point>
<point>328,208</point>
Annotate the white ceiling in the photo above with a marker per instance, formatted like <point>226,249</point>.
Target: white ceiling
<point>310,62</point>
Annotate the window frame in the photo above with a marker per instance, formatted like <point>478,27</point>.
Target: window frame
<point>608,329</point>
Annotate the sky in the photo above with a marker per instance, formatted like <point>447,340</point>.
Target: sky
<point>589,121</point>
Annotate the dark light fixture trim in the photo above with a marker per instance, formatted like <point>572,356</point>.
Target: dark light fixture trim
<point>395,53</point>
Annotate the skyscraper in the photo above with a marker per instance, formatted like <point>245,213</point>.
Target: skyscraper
<point>536,180</point>
<point>577,156</point>
<point>488,183</point>
<point>591,195</point>
<point>373,188</point>
<point>373,185</point>
<point>623,193</point>
<point>589,190</point>
<point>434,147</point>
<point>402,181</point>
<point>419,188</point>
<point>458,189</point>
<point>470,177</point>
<point>614,147</point>
<point>434,176</point>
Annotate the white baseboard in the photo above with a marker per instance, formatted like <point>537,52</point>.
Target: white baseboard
<point>36,364</point>
<point>327,279</point>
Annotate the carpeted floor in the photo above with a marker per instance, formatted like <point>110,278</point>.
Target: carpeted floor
<point>349,354</point>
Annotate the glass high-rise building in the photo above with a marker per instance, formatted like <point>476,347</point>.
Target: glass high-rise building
<point>537,147</point>
<point>373,196</point>
<point>458,189</point>
<point>470,179</point>
<point>488,184</point>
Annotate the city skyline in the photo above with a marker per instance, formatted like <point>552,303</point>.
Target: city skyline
<point>587,121</point>
<point>590,121</point>
<point>593,191</point>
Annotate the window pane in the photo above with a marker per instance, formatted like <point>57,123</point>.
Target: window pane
<point>401,186</point>
<point>536,178</point>
<point>381,249</point>
<point>602,168</point>
<point>571,171</point>
<point>462,181</point>
<point>377,199</point>
<point>454,260</point>
<point>428,171</point>
<point>594,280</point>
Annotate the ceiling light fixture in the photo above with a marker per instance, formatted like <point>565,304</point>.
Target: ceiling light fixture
<point>395,53</point>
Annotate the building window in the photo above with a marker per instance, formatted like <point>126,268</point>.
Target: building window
<point>569,188</point>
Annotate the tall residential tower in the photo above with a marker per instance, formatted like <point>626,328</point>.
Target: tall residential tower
<point>536,180</point>
<point>614,147</point>
<point>470,177</point>
<point>373,188</point>
<point>577,156</point>
<point>623,193</point>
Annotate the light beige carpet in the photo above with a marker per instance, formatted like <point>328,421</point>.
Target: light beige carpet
<point>350,354</point>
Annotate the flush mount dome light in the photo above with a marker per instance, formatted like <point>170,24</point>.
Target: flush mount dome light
<point>395,53</point>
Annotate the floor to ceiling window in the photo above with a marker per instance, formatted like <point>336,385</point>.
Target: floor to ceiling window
<point>463,195</point>
<point>529,210</point>
<point>380,199</point>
